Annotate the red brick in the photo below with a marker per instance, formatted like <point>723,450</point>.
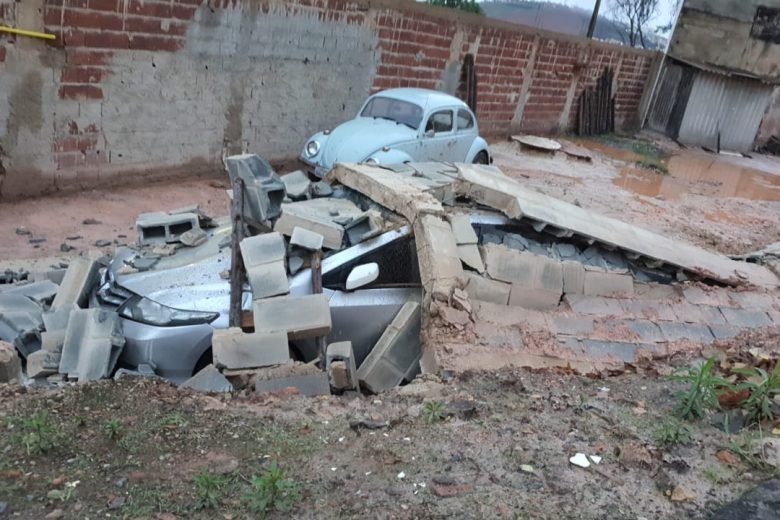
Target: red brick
<point>2,54</point>
<point>86,57</point>
<point>106,40</point>
<point>154,26</point>
<point>92,20</point>
<point>106,5</point>
<point>149,8</point>
<point>82,75</point>
<point>80,92</point>
<point>154,43</point>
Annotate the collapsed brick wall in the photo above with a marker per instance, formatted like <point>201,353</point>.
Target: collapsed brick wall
<point>133,87</point>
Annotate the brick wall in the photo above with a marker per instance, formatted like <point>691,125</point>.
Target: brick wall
<point>135,87</point>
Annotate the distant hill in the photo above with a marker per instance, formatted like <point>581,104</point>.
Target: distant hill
<point>561,18</point>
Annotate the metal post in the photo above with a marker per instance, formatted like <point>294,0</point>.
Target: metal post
<point>316,288</point>
<point>237,268</point>
<point>593,18</point>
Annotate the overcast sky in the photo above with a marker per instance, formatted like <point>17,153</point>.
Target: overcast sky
<point>666,9</point>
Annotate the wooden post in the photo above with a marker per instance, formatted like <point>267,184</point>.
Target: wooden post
<point>316,288</point>
<point>237,268</point>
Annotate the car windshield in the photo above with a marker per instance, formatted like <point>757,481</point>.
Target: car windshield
<point>396,110</point>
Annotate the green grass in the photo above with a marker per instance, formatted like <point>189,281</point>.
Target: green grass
<point>764,387</point>
<point>702,392</point>
<point>209,490</point>
<point>272,491</point>
<point>40,435</point>
<point>673,432</point>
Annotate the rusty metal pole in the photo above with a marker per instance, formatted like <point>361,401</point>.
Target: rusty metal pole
<point>316,288</point>
<point>237,268</point>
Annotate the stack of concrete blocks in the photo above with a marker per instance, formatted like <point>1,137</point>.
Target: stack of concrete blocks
<point>92,344</point>
<point>467,241</point>
<point>340,365</point>
<point>264,191</point>
<point>264,256</point>
<point>396,355</point>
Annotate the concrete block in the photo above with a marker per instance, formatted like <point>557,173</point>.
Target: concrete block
<point>10,364</point>
<point>93,343</point>
<point>233,349</point>
<point>533,298</point>
<point>484,289</point>
<point>599,283</point>
<point>292,217</point>
<point>751,300</point>
<point>296,185</point>
<point>646,331</point>
<point>80,278</point>
<point>573,277</point>
<point>523,268</point>
<point>712,296</point>
<point>159,227</point>
<point>579,326</point>
<point>302,237</point>
<point>724,331</point>
<point>649,310</point>
<point>310,385</point>
<point>264,261</point>
<point>395,352</point>
<point>340,365</point>
<point>262,249</point>
<point>595,305</point>
<point>300,316</point>
<point>208,379</point>
<point>686,331</point>
<point>268,280</point>
<point>746,318</point>
<point>625,352</point>
<point>52,341</point>
<point>264,190</point>
<point>42,363</point>
<point>57,319</point>
<point>469,255</point>
<point>689,313</point>
<point>42,292</point>
<point>463,230</point>
<point>363,227</point>
<point>20,323</point>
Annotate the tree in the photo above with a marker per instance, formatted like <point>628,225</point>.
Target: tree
<point>635,14</point>
<point>470,6</point>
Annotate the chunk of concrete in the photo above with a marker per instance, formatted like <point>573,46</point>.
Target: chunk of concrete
<point>264,262</point>
<point>438,258</point>
<point>43,363</point>
<point>299,316</point>
<point>193,238</point>
<point>396,351</point>
<point>600,283</point>
<point>10,364</point>
<point>42,292</point>
<point>363,227</point>
<point>80,278</point>
<point>264,190</point>
<point>340,365</point>
<point>310,385</point>
<point>20,323</point>
<point>296,185</point>
<point>469,255</point>
<point>485,289</point>
<point>93,343</point>
<point>463,230</point>
<point>157,227</point>
<point>233,349</point>
<point>321,189</point>
<point>209,380</point>
<point>573,277</point>
<point>297,215</point>
<point>309,240</point>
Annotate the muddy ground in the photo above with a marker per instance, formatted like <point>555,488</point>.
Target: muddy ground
<point>138,448</point>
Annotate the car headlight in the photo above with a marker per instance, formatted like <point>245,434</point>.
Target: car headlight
<point>312,148</point>
<point>144,310</point>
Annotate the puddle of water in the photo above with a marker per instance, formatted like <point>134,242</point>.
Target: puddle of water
<point>698,175</point>
<point>611,151</point>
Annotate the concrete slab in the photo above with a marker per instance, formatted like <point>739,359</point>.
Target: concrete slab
<point>437,255</point>
<point>93,342</point>
<point>343,376</point>
<point>599,283</point>
<point>233,349</point>
<point>395,352</point>
<point>469,255</point>
<point>686,331</point>
<point>80,278</point>
<point>310,385</point>
<point>306,239</point>
<point>746,318</point>
<point>462,229</point>
<point>209,380</point>
<point>300,316</point>
<point>481,288</point>
<point>488,185</point>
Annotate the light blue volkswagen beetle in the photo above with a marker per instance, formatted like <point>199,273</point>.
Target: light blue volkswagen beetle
<point>397,126</point>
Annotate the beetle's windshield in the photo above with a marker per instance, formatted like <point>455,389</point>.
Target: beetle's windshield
<point>396,110</point>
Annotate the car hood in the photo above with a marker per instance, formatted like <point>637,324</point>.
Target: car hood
<point>354,140</point>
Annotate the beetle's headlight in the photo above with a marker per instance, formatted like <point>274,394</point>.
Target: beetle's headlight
<point>312,148</point>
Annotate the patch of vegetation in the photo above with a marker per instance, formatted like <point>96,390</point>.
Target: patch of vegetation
<point>113,429</point>
<point>209,489</point>
<point>748,447</point>
<point>763,387</point>
<point>652,159</point>
<point>717,475</point>
<point>673,432</point>
<point>433,412</point>
<point>702,393</point>
<point>271,491</point>
<point>40,435</point>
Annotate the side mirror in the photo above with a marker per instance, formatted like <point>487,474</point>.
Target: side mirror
<point>362,275</point>
<point>430,133</point>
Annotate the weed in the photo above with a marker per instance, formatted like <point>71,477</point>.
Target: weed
<point>717,476</point>
<point>175,419</point>
<point>80,420</point>
<point>271,491</point>
<point>40,435</point>
<point>673,432</point>
<point>582,404</point>
<point>702,393</point>
<point>749,447</point>
<point>433,412</point>
<point>113,429</point>
<point>208,489</point>
<point>763,387</point>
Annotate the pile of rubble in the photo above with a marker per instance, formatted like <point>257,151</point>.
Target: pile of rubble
<point>365,279</point>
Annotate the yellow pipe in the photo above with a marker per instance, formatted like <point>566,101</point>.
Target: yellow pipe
<point>22,32</point>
